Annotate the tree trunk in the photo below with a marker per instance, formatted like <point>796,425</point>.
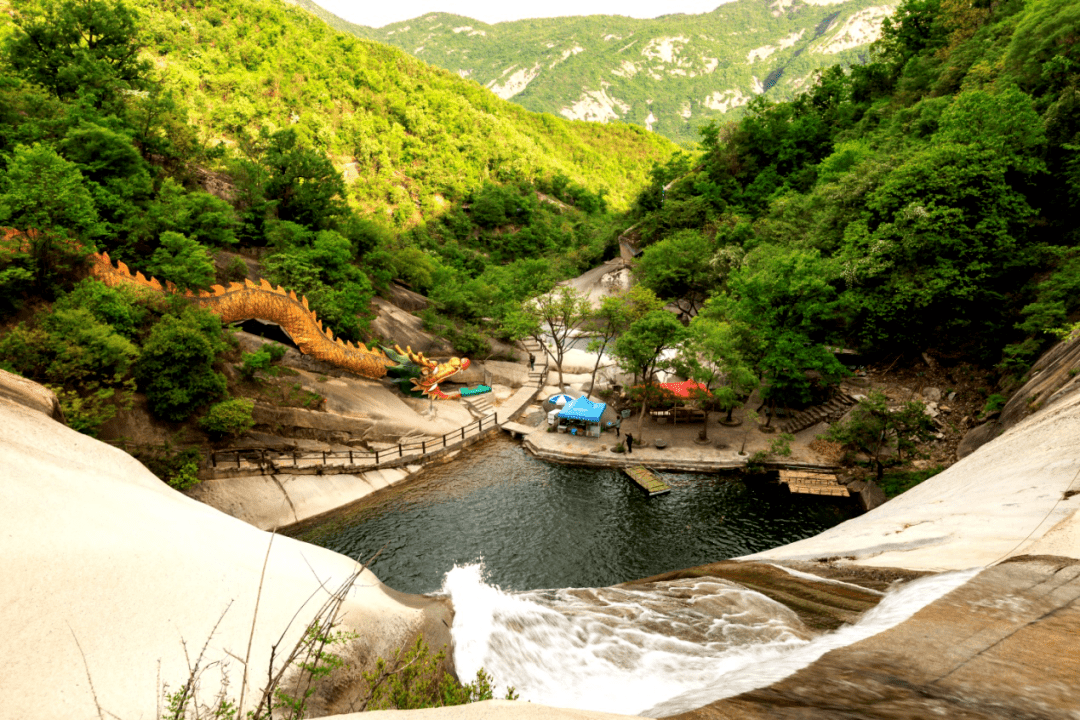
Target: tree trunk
<point>705,427</point>
<point>596,367</point>
<point>641,419</point>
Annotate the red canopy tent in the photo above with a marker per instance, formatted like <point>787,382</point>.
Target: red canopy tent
<point>682,389</point>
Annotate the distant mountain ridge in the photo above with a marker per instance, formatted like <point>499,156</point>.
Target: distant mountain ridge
<point>670,74</point>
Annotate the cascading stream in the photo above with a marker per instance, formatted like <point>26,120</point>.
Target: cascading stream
<point>656,652</point>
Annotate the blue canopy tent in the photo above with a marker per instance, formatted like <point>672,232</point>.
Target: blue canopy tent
<point>584,411</point>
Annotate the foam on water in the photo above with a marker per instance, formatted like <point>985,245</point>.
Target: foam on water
<point>673,647</point>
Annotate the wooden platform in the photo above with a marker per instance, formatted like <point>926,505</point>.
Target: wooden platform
<point>517,430</point>
<point>647,480</point>
<point>804,482</point>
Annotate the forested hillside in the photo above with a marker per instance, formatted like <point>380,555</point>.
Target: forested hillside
<point>926,202</point>
<point>671,74</point>
<point>172,133</point>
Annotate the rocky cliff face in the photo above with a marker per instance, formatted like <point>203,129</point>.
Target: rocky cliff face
<point>1054,377</point>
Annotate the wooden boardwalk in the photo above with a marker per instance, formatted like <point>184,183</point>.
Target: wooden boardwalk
<point>647,480</point>
<point>813,483</point>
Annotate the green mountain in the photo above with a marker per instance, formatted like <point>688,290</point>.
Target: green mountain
<point>410,138</point>
<point>671,74</point>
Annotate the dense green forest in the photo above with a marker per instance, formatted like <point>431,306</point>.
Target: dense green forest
<point>673,73</point>
<point>338,163</point>
<point>926,201</point>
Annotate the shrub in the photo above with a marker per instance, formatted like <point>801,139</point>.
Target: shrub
<point>228,418</point>
<point>260,360</point>
<point>176,368</point>
<point>237,269</point>
<point>183,261</point>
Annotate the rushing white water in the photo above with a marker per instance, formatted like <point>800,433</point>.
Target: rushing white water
<point>657,652</point>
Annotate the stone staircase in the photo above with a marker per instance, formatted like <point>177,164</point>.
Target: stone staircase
<point>536,377</point>
<point>480,405</point>
<point>831,411</point>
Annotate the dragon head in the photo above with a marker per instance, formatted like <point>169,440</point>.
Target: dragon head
<point>431,372</point>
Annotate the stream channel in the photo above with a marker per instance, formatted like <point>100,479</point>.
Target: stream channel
<point>528,551</point>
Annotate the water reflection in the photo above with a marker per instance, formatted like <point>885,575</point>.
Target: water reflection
<point>537,525</point>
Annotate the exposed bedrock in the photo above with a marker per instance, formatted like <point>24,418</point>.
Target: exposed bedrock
<point>109,573</point>
<point>1001,646</point>
<point>1054,376</point>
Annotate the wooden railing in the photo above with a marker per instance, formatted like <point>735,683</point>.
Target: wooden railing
<point>262,459</point>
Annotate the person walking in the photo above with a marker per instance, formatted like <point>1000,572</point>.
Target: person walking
<point>629,443</point>
<point>532,362</point>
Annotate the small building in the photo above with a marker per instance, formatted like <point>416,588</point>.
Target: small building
<point>584,414</point>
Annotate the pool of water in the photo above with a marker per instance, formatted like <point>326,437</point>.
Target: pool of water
<point>539,525</point>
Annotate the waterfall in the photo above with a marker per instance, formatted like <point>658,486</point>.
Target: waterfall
<point>658,651</point>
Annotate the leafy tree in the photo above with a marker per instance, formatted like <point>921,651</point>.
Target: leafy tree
<point>77,47</point>
<point>301,182</point>
<point>84,359</point>
<point>641,349</point>
<point>45,196</point>
<point>712,356</point>
<point>175,370</point>
<point>614,316</point>
<point>678,269</point>
<point>782,297</point>
<point>182,261</point>
<point>873,426</point>
<point>117,307</point>
<point>551,320</point>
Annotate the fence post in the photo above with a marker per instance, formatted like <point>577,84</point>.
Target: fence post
<point>496,418</point>
<point>238,458</point>
<point>423,447</point>
<point>463,434</point>
<point>213,458</point>
<point>294,460</point>
<point>444,441</point>
<point>376,456</point>
<point>350,458</point>
<point>400,451</point>
<point>481,428</point>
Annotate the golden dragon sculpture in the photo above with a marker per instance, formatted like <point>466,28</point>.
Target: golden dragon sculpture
<point>417,374</point>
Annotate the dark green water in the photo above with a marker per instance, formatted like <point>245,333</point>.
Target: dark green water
<point>538,525</point>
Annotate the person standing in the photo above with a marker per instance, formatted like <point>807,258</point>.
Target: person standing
<point>532,362</point>
<point>629,443</point>
<point>618,424</point>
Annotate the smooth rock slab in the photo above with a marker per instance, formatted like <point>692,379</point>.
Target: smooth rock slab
<point>1003,646</point>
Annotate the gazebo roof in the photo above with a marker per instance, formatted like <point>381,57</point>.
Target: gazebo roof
<point>583,409</point>
<point>682,389</point>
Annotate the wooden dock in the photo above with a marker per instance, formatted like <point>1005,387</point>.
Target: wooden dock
<point>804,482</point>
<point>647,480</point>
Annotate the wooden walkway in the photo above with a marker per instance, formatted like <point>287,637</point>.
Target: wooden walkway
<point>647,480</point>
<point>813,483</point>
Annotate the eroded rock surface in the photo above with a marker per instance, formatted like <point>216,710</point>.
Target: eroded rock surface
<point>1003,646</point>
